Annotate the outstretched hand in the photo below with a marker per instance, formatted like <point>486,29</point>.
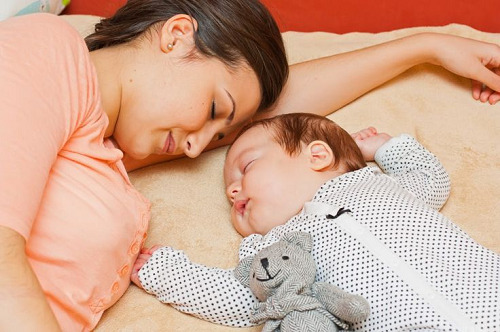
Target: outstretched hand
<point>473,59</point>
<point>369,141</point>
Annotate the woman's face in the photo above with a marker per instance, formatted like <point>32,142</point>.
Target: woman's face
<point>182,105</point>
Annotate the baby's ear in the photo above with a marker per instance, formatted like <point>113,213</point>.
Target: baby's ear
<point>320,156</point>
<point>242,271</point>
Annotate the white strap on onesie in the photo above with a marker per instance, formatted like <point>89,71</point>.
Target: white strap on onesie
<point>405,271</point>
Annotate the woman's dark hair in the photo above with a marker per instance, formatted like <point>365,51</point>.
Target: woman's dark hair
<point>292,131</point>
<point>234,31</point>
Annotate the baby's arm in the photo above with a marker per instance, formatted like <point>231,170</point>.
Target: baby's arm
<point>406,160</point>
<point>208,293</point>
<point>415,168</point>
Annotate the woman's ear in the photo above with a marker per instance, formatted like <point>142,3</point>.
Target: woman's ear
<point>177,34</point>
<point>320,156</point>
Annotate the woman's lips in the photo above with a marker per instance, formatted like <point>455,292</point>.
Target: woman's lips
<point>169,144</point>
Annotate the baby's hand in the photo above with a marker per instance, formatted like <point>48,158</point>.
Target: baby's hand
<point>369,141</point>
<point>143,257</point>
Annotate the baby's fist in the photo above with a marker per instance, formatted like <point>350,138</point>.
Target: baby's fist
<point>143,257</point>
<point>369,141</point>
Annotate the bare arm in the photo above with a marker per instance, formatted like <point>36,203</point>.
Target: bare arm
<point>324,85</point>
<point>23,306</point>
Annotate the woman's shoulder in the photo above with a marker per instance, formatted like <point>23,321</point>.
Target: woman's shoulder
<point>45,30</point>
<point>54,62</point>
<point>42,19</point>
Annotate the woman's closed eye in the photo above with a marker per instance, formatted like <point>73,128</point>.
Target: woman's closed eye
<point>218,137</point>
<point>213,115</point>
<point>213,112</point>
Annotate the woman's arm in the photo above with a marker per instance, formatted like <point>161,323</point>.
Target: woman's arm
<point>23,306</point>
<point>324,85</point>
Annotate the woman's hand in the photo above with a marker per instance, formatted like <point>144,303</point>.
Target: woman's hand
<point>470,58</point>
<point>143,257</point>
<point>483,93</point>
<point>369,141</point>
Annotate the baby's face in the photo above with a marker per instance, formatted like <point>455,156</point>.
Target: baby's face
<point>265,185</point>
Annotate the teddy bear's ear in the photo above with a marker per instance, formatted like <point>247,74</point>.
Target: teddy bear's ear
<point>242,271</point>
<point>301,239</point>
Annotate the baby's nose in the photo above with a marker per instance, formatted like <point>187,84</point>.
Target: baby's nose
<point>232,191</point>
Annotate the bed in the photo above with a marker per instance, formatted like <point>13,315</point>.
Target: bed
<point>190,211</point>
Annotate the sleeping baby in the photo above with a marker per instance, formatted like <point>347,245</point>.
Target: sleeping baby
<point>377,230</point>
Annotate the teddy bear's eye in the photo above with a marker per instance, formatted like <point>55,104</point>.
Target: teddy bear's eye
<point>285,258</point>
<point>253,275</point>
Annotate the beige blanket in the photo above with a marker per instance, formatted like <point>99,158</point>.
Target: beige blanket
<point>190,211</point>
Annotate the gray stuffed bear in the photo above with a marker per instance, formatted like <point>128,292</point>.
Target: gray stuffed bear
<point>282,277</point>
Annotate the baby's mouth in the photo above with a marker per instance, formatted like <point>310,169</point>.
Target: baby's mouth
<point>240,206</point>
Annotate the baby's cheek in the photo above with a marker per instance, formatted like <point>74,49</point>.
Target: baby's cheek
<point>233,216</point>
<point>236,221</point>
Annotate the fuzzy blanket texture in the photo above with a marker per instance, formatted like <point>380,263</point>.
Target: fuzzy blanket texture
<point>190,211</point>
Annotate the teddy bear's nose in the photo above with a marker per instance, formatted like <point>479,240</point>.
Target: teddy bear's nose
<point>264,262</point>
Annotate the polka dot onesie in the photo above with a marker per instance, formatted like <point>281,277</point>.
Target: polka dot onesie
<point>416,268</point>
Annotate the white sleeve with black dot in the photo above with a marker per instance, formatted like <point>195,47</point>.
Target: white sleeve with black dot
<point>416,169</point>
<point>211,294</point>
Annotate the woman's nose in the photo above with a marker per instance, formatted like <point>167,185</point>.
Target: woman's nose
<point>196,143</point>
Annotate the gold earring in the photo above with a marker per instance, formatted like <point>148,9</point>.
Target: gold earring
<point>170,47</point>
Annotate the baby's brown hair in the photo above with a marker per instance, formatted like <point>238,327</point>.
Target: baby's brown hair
<point>292,130</point>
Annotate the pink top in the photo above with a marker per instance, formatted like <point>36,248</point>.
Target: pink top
<point>63,186</point>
